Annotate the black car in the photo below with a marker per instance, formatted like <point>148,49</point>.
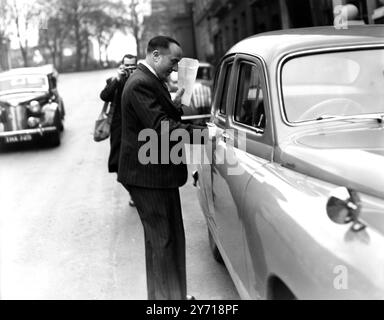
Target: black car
<point>30,106</point>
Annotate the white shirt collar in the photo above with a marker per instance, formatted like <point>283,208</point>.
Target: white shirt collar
<point>149,68</point>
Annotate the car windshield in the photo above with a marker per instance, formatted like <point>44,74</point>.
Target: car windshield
<point>333,85</point>
<point>23,83</point>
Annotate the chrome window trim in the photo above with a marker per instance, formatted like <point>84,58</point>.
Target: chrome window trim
<point>248,129</point>
<point>221,117</point>
<point>291,55</point>
<point>259,133</point>
<point>228,59</point>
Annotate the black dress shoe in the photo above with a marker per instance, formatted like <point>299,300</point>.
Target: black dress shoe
<point>189,297</point>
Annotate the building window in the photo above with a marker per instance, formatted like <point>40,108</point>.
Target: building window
<point>300,13</point>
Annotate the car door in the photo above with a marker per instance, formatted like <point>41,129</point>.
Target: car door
<point>247,133</point>
<point>226,199</point>
<point>215,126</point>
<point>251,117</point>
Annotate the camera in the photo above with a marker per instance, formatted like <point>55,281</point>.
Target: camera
<point>126,70</point>
<point>129,69</point>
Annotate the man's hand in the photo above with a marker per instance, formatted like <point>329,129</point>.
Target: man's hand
<point>178,95</point>
<point>121,73</point>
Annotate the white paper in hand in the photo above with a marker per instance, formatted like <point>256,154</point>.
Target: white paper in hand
<point>187,71</point>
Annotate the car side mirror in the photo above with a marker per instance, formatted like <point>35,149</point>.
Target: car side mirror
<point>343,207</point>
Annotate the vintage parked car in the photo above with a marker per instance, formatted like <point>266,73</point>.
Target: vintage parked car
<point>30,106</point>
<point>293,192</point>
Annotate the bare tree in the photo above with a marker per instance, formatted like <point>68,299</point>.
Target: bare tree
<point>4,23</point>
<point>53,37</point>
<point>137,12</point>
<point>75,22</point>
<point>104,24</point>
<point>4,17</point>
<point>81,15</point>
<point>25,14</point>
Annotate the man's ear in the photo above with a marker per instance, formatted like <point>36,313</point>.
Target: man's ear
<point>156,55</point>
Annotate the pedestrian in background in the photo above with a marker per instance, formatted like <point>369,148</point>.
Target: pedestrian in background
<point>112,93</point>
<point>147,104</point>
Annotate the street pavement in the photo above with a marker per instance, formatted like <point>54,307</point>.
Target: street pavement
<point>67,231</point>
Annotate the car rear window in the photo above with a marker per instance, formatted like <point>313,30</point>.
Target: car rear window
<point>204,73</point>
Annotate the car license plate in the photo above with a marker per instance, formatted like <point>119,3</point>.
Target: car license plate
<point>19,138</point>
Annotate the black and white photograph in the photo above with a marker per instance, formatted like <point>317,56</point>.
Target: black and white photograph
<point>179,150</point>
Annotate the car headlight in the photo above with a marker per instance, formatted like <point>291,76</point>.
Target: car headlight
<point>34,106</point>
<point>33,122</point>
<point>50,107</point>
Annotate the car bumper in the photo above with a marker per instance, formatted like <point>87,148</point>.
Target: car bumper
<point>11,137</point>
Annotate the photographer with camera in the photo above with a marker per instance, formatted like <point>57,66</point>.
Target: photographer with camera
<point>112,93</point>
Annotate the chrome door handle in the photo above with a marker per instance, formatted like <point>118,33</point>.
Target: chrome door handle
<point>225,136</point>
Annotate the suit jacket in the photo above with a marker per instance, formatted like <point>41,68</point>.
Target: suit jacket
<point>112,92</point>
<point>146,102</point>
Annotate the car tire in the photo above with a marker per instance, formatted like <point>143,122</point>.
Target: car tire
<point>54,138</point>
<point>214,249</point>
<point>62,109</point>
<point>62,116</point>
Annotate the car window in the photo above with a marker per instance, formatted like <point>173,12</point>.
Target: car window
<point>249,108</point>
<point>225,91</point>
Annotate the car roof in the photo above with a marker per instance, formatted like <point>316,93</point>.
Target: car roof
<point>270,45</point>
<point>46,69</point>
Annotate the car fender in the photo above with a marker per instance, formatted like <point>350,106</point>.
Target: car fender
<point>50,110</point>
<point>289,235</point>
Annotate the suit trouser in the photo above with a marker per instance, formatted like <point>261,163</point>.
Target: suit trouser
<point>160,214</point>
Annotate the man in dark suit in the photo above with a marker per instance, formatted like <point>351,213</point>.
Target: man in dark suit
<point>112,93</point>
<point>154,186</point>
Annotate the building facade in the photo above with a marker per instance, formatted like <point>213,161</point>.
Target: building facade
<point>173,18</point>
<point>219,24</point>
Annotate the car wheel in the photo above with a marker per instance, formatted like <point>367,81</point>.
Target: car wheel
<point>214,249</point>
<point>62,111</point>
<point>54,139</point>
<point>62,116</point>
